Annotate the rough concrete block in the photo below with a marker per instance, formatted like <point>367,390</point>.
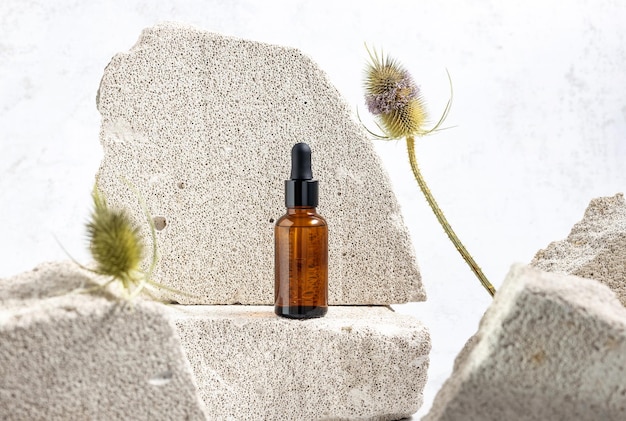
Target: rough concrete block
<point>203,125</point>
<point>80,356</point>
<point>550,347</point>
<point>357,363</point>
<point>595,248</point>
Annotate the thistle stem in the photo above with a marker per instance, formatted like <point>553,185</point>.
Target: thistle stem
<point>410,144</point>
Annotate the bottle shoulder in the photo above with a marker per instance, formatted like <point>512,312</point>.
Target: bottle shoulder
<point>309,219</point>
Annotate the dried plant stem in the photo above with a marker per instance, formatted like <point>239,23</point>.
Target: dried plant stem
<point>410,144</point>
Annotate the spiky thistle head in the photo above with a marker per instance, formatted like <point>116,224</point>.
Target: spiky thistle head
<point>114,240</point>
<point>394,98</point>
<point>117,248</point>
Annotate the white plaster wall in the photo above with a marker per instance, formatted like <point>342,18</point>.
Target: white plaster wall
<point>539,114</point>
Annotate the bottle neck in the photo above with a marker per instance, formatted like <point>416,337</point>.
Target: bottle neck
<point>301,210</point>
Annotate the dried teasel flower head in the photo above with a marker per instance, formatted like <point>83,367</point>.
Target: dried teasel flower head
<point>395,100</point>
<point>114,241</point>
<point>117,248</point>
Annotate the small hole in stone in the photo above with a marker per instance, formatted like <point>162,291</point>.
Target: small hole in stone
<point>338,193</point>
<point>271,220</point>
<point>159,222</point>
<point>181,185</point>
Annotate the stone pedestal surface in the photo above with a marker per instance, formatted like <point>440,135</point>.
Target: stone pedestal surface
<point>550,347</point>
<point>357,363</point>
<point>202,125</point>
<point>595,248</point>
<point>81,356</point>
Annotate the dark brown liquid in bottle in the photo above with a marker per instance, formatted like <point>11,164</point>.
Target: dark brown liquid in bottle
<point>301,253</point>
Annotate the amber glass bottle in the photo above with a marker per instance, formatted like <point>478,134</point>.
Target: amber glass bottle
<point>301,245</point>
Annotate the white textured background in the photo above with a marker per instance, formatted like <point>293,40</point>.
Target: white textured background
<point>539,110</point>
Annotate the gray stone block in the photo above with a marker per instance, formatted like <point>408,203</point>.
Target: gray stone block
<point>550,347</point>
<point>81,356</point>
<point>595,248</point>
<point>357,363</point>
<point>202,125</point>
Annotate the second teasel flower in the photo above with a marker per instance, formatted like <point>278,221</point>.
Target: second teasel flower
<point>117,247</point>
<point>114,241</point>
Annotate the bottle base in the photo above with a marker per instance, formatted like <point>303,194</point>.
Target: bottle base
<point>301,312</point>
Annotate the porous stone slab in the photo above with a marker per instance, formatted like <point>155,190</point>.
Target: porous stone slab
<point>357,363</point>
<point>202,125</point>
<point>550,347</point>
<point>82,356</point>
<point>595,248</point>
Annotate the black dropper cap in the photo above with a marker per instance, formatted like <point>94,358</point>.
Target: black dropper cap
<point>301,190</point>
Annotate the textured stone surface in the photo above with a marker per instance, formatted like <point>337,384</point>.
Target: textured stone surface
<point>80,356</point>
<point>550,347</point>
<point>203,126</point>
<point>595,248</point>
<point>357,363</point>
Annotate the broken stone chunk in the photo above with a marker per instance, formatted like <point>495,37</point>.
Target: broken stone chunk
<point>202,125</point>
<point>550,347</point>
<point>70,356</point>
<point>357,363</point>
<point>595,248</point>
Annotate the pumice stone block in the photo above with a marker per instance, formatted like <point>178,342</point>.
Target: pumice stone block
<point>202,126</point>
<point>550,347</point>
<point>595,248</point>
<point>356,363</point>
<point>87,357</point>
<point>83,356</point>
